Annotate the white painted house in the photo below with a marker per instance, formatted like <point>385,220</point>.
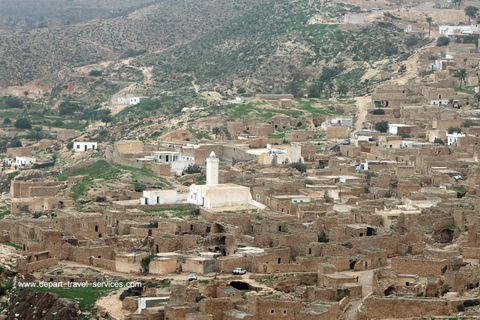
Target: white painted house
<point>452,138</point>
<point>131,100</point>
<point>152,197</point>
<point>177,162</point>
<point>24,161</point>
<point>82,146</point>
<point>211,195</point>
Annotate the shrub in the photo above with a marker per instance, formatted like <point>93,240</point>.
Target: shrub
<point>411,41</point>
<point>439,141</point>
<point>302,167</point>
<point>145,263</point>
<point>454,129</point>
<point>14,102</point>
<point>192,168</point>
<point>381,126</point>
<point>67,108</point>
<point>323,239</point>
<point>95,73</point>
<point>153,224</point>
<point>378,111</point>
<point>443,41</point>
<point>15,143</point>
<point>7,121</point>
<point>23,123</point>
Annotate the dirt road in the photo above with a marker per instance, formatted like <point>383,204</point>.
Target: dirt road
<point>365,278</point>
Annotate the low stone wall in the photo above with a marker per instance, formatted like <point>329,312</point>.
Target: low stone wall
<point>402,308</point>
<point>23,266</point>
<point>104,263</point>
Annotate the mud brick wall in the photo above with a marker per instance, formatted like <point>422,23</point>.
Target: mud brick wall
<point>43,191</point>
<point>382,308</point>
<point>216,307</point>
<point>104,263</point>
<point>422,267</point>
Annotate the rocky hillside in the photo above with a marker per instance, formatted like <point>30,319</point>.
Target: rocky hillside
<point>279,44</point>
<point>43,52</point>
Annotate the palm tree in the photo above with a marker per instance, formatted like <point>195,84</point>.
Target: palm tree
<point>216,131</point>
<point>38,133</point>
<point>429,20</point>
<point>106,117</point>
<point>461,74</point>
<point>476,98</point>
<point>330,89</point>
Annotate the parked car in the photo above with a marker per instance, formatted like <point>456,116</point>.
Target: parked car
<point>239,271</point>
<point>192,276</point>
<point>346,141</point>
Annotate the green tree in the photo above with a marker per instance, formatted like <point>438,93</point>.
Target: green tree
<point>330,89</point>
<point>192,168</point>
<point>471,12</point>
<point>15,143</point>
<point>461,74</point>
<point>294,88</point>
<point>454,129</point>
<point>381,126</point>
<point>476,98</point>
<point>106,117</point>
<point>95,73</point>
<point>378,111</point>
<point>13,102</point>
<point>411,41</point>
<point>429,20</point>
<point>216,131</point>
<point>315,90</point>
<point>38,133</point>
<point>443,41</point>
<point>67,108</point>
<point>23,123</point>
<point>7,121</point>
<point>302,167</point>
<point>342,89</point>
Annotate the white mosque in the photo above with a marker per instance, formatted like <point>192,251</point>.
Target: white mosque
<point>211,195</point>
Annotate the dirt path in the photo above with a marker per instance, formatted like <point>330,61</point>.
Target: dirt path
<point>362,109</point>
<point>112,305</point>
<point>412,66</point>
<point>365,278</point>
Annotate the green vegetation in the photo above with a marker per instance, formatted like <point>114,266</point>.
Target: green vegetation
<point>450,227</point>
<point>277,136</point>
<point>302,167</point>
<point>4,212</point>
<point>11,244</point>
<point>86,297</point>
<point>451,130</point>
<point>192,168</point>
<point>145,263</point>
<point>443,41</point>
<point>381,126</point>
<point>23,123</point>
<point>323,239</point>
<point>95,73</point>
<point>103,171</point>
<point>378,111</point>
<point>183,208</point>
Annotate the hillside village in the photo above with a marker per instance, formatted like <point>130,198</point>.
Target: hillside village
<point>261,205</point>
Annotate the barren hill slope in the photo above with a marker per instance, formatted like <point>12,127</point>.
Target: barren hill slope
<point>42,52</point>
